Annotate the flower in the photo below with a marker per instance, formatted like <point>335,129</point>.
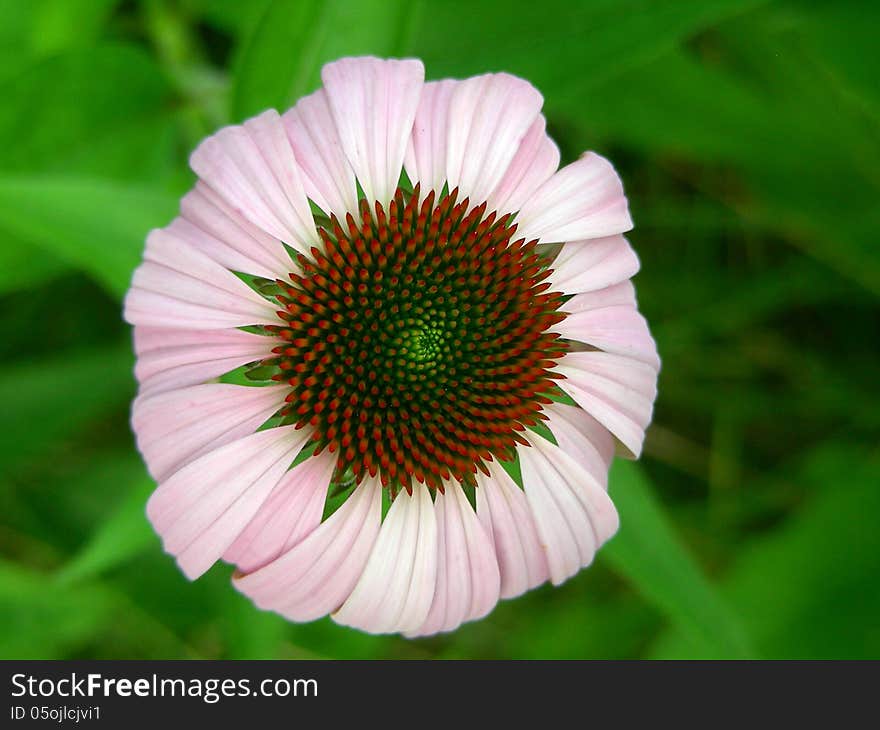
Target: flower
<point>390,398</point>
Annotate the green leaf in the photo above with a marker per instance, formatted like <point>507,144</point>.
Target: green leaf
<point>233,16</point>
<point>46,401</point>
<point>808,589</point>
<point>61,24</point>
<point>34,29</point>
<point>21,269</point>
<point>846,42</point>
<point>96,225</point>
<point>250,634</point>
<point>282,59</point>
<point>562,47</point>
<point>647,552</point>
<point>39,623</point>
<point>116,108</point>
<point>15,50</point>
<point>42,620</point>
<point>762,125</point>
<point>122,536</point>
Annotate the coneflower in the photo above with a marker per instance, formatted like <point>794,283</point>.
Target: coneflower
<point>387,350</point>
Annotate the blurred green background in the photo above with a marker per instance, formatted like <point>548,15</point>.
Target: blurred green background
<point>747,136</point>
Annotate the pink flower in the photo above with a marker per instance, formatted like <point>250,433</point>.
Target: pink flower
<point>394,346</point>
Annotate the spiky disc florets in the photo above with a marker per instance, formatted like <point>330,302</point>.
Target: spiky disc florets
<point>416,342</point>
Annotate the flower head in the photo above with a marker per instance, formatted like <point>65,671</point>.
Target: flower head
<point>386,351</point>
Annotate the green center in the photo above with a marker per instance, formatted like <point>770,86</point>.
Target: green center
<point>422,345</point>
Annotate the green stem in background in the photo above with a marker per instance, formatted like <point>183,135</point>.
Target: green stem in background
<point>647,552</point>
<point>202,88</point>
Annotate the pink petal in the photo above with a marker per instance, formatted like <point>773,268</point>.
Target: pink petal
<point>374,102</point>
<point>201,509</point>
<point>252,167</point>
<point>621,294</point>
<point>468,578</point>
<point>583,438</point>
<point>179,286</point>
<point>175,358</point>
<point>489,116</point>
<point>292,511</point>
<point>315,576</point>
<point>573,514</point>
<point>213,227</point>
<point>583,200</point>
<point>175,427</point>
<point>608,320</point>
<point>327,176</point>
<point>396,590</point>
<point>507,518</point>
<point>617,390</point>
<point>534,163</point>
<point>426,152</point>
<point>585,266</point>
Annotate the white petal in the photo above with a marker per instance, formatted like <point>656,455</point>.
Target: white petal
<point>327,176</point>
<point>535,162</point>
<point>374,103</point>
<point>573,514</point>
<point>203,507</point>
<point>317,574</point>
<point>229,238</point>
<point>620,294</point>
<point>174,428</point>
<point>489,116</point>
<point>426,151</point>
<point>468,578</point>
<point>583,438</point>
<point>179,286</point>
<point>252,167</point>
<point>290,513</point>
<point>175,358</point>
<point>583,200</point>
<point>608,320</point>
<point>618,391</point>
<point>505,514</point>
<point>585,266</point>
<point>396,590</point>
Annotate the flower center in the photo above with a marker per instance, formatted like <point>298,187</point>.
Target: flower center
<point>416,342</point>
<point>423,343</point>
